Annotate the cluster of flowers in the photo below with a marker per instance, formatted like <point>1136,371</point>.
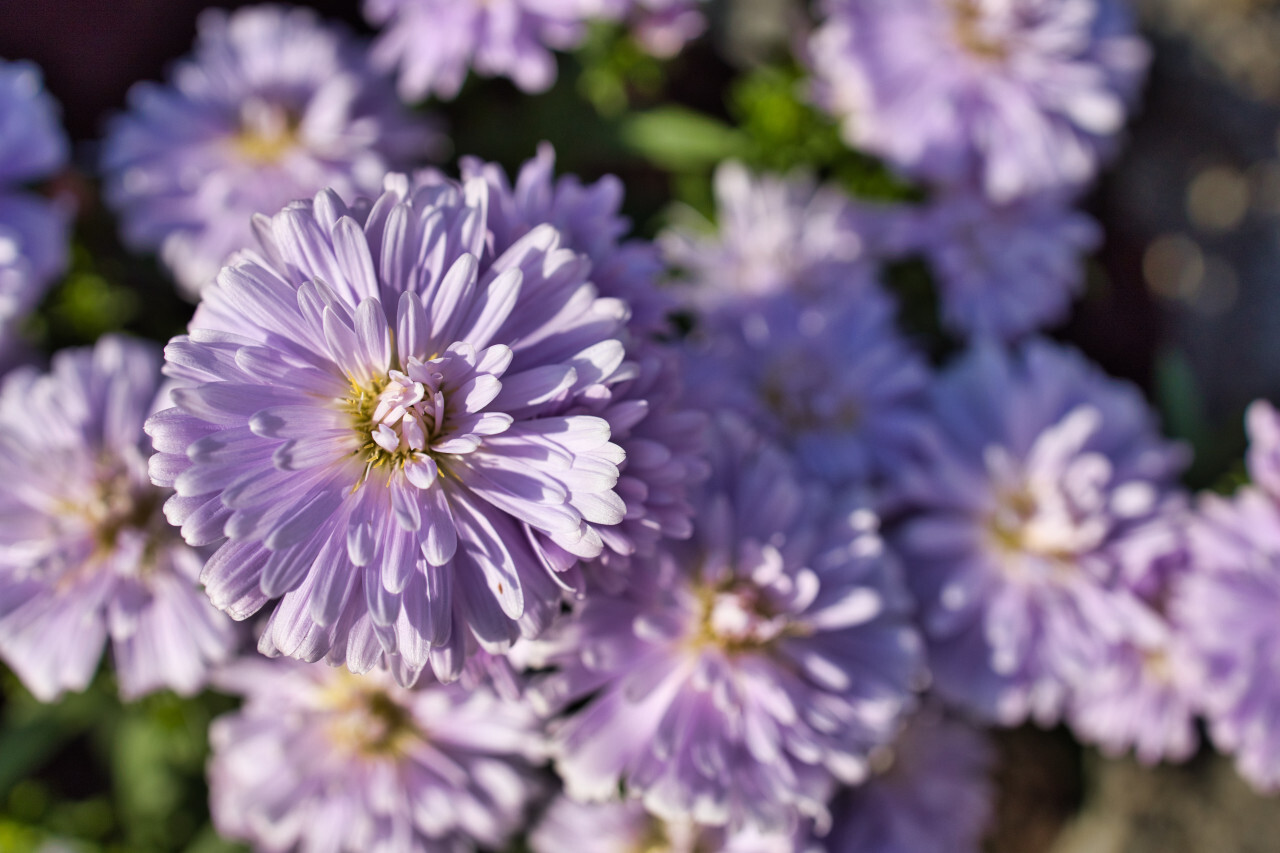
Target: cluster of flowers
<point>437,431</point>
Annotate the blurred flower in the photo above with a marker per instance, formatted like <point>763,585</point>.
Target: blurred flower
<point>744,671</point>
<point>319,759</point>
<point>625,827</point>
<point>435,42</point>
<point>401,490</point>
<point>1040,468</point>
<point>1019,95</point>
<point>775,235</point>
<point>274,105</point>
<point>85,553</point>
<point>1003,270</point>
<point>33,231</point>
<point>832,381</point>
<point>663,27</point>
<point>588,218</point>
<point>1227,604</point>
<point>934,795</point>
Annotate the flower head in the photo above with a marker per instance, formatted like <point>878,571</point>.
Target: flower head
<point>273,105</point>
<point>33,231</point>
<point>1040,469</point>
<point>745,670</point>
<point>320,759</point>
<point>435,42</point>
<point>402,435</point>
<point>1017,95</point>
<point>931,793</point>
<point>85,553</point>
<point>1004,270</point>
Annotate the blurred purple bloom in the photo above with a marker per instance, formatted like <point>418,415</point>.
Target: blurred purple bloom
<point>588,218</point>
<point>85,553</point>
<point>435,42</point>
<point>833,381</point>
<point>1004,270</point>
<point>935,795</point>
<point>1040,468</point>
<point>400,434</point>
<point>1019,95</point>
<point>1227,604</point>
<point>744,671</point>
<point>322,760</point>
<point>33,231</point>
<point>775,235</point>
<point>272,106</point>
<point>663,27</point>
<point>625,827</point>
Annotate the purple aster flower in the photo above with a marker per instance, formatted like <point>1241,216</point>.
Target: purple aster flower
<point>663,27</point>
<point>588,218</point>
<point>273,105</point>
<point>832,381</point>
<point>319,759</point>
<point>85,553</point>
<point>435,42</point>
<point>931,794</point>
<point>1019,95</point>
<point>33,231</point>
<point>744,671</point>
<point>1040,468</point>
<point>625,827</point>
<point>775,235</point>
<point>1226,606</point>
<point>1004,270</point>
<point>389,428</point>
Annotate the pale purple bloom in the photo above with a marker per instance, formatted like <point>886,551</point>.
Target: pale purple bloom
<point>397,431</point>
<point>272,106</point>
<point>775,235</point>
<point>1017,95</point>
<point>588,217</point>
<point>85,553</point>
<point>1227,604</point>
<point>33,230</point>
<point>664,26</point>
<point>434,43</point>
<point>832,381</point>
<point>1020,504</point>
<point>1004,270</point>
<point>745,671</point>
<point>933,793</point>
<point>625,827</point>
<point>319,759</point>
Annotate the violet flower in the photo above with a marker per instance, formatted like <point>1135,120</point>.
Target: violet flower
<point>85,553</point>
<point>745,671</point>
<point>272,106</point>
<point>1019,96</point>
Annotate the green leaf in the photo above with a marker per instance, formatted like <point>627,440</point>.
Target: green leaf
<point>680,139</point>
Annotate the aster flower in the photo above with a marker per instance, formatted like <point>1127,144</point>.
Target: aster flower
<point>588,217</point>
<point>272,106</point>
<point>319,759</point>
<point>1004,270</point>
<point>832,381</point>
<point>744,671</point>
<point>625,827</point>
<point>775,235</point>
<point>663,27</point>
<point>85,554</point>
<point>435,42</point>
<point>1020,96</point>
<point>402,491</point>
<point>33,231</point>
<point>1040,468</point>
<point>931,794</point>
<point>1226,605</point>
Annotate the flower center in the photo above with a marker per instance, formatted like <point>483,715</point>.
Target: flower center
<point>397,420</point>
<point>804,398</point>
<point>369,721</point>
<point>975,38</point>
<point>736,619</point>
<point>268,132</point>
